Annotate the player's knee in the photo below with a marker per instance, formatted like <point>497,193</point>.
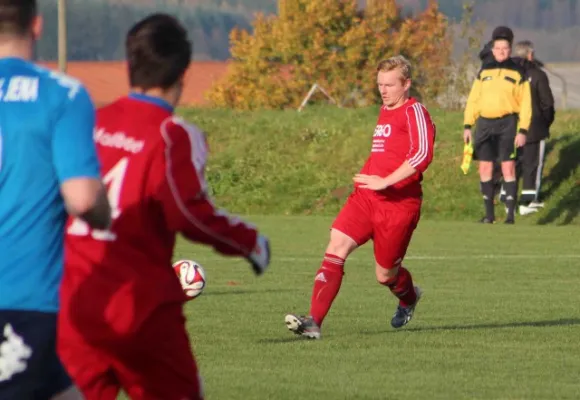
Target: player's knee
<point>340,244</point>
<point>485,170</point>
<point>386,273</point>
<point>508,170</point>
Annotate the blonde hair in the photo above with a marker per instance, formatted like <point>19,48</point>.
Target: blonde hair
<point>523,48</point>
<point>396,62</point>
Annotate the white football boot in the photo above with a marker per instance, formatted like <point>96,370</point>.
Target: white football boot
<point>304,326</point>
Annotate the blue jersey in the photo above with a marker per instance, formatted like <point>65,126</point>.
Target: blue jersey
<point>46,137</point>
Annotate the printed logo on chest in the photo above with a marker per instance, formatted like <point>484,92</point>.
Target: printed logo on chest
<point>381,133</point>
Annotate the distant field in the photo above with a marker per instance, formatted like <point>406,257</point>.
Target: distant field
<point>499,320</point>
<point>571,73</point>
<point>289,163</point>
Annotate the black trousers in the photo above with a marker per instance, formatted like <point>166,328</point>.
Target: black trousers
<point>530,166</point>
<point>529,169</point>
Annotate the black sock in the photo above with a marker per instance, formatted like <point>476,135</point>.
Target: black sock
<point>511,198</point>
<point>487,190</point>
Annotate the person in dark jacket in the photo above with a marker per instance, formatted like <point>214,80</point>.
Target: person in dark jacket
<point>543,114</point>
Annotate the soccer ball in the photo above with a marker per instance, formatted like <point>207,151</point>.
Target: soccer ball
<point>191,276</point>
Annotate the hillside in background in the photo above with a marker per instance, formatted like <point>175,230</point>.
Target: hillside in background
<point>97,27</point>
<point>530,14</point>
<point>289,163</point>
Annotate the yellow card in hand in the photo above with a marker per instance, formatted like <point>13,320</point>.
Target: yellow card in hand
<point>467,157</point>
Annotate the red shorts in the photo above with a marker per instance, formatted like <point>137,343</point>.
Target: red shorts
<point>156,363</point>
<point>364,217</point>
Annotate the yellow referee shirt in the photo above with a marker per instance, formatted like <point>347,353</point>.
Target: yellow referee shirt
<point>500,89</point>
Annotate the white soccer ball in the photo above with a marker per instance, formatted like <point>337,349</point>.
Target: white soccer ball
<point>191,276</point>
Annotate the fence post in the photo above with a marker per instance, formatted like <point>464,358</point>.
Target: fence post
<point>62,34</point>
<point>311,93</point>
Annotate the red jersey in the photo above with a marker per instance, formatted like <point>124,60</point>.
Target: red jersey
<point>406,133</point>
<point>153,167</point>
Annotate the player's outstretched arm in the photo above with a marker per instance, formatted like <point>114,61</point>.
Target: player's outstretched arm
<point>187,207</point>
<point>75,159</point>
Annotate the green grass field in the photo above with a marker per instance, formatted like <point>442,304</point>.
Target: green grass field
<point>290,163</point>
<point>500,318</point>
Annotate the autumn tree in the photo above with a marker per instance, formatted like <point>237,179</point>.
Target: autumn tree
<point>332,43</point>
<point>463,69</point>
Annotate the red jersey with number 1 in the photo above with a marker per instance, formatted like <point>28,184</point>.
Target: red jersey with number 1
<point>405,133</point>
<point>153,167</point>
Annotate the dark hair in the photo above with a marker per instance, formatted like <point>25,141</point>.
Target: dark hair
<point>16,16</point>
<point>158,52</point>
<point>502,33</point>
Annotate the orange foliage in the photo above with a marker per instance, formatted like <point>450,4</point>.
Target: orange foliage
<point>334,44</point>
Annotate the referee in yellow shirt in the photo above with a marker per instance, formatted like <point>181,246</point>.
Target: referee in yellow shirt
<point>499,101</point>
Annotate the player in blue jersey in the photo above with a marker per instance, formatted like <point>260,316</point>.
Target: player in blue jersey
<point>48,166</point>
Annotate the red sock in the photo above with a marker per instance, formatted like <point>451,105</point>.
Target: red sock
<point>326,286</point>
<point>402,287</point>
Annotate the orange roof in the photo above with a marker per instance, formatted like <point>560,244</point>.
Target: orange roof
<point>107,80</point>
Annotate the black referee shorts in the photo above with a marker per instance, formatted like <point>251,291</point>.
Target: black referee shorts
<point>494,138</point>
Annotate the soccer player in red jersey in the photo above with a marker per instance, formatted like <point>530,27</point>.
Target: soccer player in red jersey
<point>385,204</point>
<point>121,323</point>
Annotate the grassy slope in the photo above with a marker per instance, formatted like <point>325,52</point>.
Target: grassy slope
<point>284,162</point>
<point>498,321</point>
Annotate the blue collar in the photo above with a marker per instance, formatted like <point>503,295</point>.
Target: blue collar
<point>153,100</point>
<point>15,59</point>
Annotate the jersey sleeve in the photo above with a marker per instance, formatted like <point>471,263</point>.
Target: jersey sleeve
<point>74,151</point>
<point>422,135</point>
<point>471,113</point>
<point>525,100</point>
<point>183,194</point>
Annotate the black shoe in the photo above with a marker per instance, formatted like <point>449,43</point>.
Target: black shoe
<point>404,314</point>
<point>486,220</point>
<point>509,221</point>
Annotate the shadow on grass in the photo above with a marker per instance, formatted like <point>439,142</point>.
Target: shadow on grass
<point>245,291</point>
<point>529,324</point>
<point>290,339</point>
<point>566,208</point>
<point>568,162</point>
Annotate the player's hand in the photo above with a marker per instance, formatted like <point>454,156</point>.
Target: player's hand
<point>467,136</point>
<point>260,257</point>
<point>520,140</point>
<point>373,182</point>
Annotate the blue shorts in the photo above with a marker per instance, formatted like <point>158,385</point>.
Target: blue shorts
<point>32,369</point>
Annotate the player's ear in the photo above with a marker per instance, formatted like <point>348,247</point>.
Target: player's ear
<point>173,93</point>
<point>407,84</point>
<point>37,25</point>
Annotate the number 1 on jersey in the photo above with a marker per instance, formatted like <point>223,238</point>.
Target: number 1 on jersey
<point>114,182</point>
